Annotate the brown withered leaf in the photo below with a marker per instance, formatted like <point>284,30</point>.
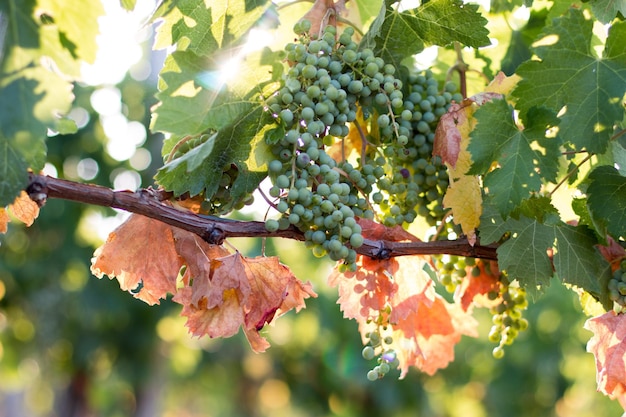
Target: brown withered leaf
<point>25,209</point>
<point>140,253</point>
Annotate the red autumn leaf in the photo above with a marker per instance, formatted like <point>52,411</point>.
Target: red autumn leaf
<point>240,292</point>
<point>25,209</point>
<point>608,345</point>
<point>614,253</point>
<point>377,231</point>
<point>140,251</point>
<point>4,220</point>
<point>473,287</point>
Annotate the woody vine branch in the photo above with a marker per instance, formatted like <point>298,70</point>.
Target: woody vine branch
<point>153,203</point>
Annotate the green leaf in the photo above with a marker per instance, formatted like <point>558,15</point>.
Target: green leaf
<point>607,200</point>
<point>576,260</point>
<point>524,253</point>
<point>77,24</point>
<point>200,169</point>
<point>569,77</point>
<point>523,156</point>
<point>606,10</point>
<point>437,22</point>
<point>369,10</point>
<point>189,90</point>
<point>13,172</point>
<point>204,26</point>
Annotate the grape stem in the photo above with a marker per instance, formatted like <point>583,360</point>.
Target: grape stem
<point>155,204</point>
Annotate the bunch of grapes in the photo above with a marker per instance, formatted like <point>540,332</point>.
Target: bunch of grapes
<point>418,181</point>
<point>322,90</point>
<point>222,201</point>
<point>507,316</point>
<point>452,269</point>
<point>378,346</point>
<point>617,285</point>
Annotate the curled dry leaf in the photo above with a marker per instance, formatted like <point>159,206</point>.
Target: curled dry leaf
<point>321,14</point>
<point>24,209</point>
<point>140,253</point>
<point>608,345</point>
<point>241,292</point>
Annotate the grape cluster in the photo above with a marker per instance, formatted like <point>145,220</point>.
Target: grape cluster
<point>379,346</point>
<point>417,181</point>
<point>617,285</point>
<point>222,201</point>
<point>507,316</point>
<point>452,269</point>
<point>328,79</point>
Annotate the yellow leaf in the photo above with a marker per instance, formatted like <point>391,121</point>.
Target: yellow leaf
<point>464,199</point>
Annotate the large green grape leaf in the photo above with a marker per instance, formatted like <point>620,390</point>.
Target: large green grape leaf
<point>524,253</point>
<point>569,78</point>
<point>524,157</point>
<point>607,200</point>
<point>198,95</point>
<point>204,26</point>
<point>200,170</point>
<point>32,97</point>
<point>437,22</point>
<point>606,10</point>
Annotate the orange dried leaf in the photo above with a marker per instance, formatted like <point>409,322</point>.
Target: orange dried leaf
<point>377,231</point>
<point>222,321</point>
<point>240,292</point>
<point>25,209</point>
<point>362,294</point>
<point>140,251</point>
<point>473,287</point>
<point>4,220</point>
<point>608,345</point>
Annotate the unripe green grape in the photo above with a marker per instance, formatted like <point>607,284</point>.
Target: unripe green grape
<point>498,352</point>
<point>368,353</point>
<point>372,375</point>
<point>271,225</point>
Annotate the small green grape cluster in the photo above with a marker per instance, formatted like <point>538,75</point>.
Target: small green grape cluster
<point>617,285</point>
<point>387,358</point>
<point>452,270</point>
<point>223,202</point>
<point>507,317</point>
<point>427,175</point>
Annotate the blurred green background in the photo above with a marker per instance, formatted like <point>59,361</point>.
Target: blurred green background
<point>75,346</point>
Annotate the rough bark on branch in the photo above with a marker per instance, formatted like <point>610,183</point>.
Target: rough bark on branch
<point>149,202</point>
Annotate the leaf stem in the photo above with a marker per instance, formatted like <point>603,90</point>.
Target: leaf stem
<point>569,174</point>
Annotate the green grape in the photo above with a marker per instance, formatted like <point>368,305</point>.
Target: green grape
<point>368,353</point>
<point>372,375</point>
